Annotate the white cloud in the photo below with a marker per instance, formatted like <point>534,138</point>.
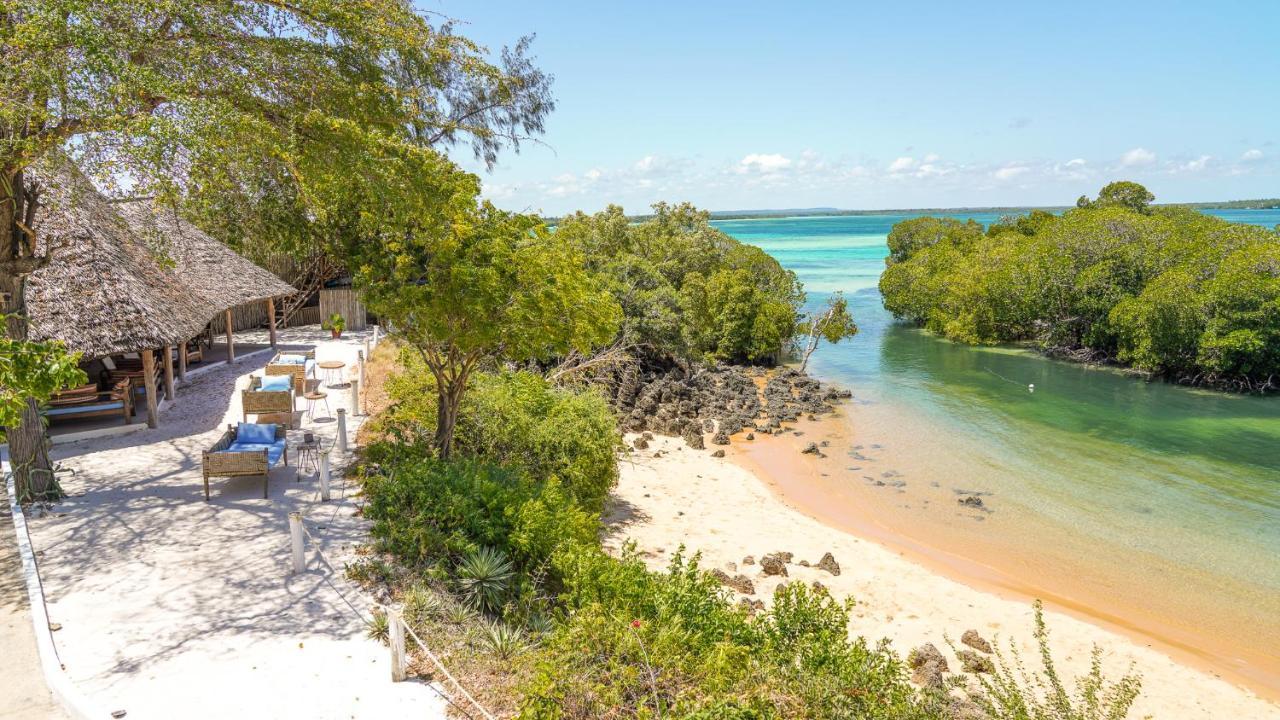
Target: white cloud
<point>1009,172</point>
<point>1137,157</point>
<point>646,163</point>
<point>1077,162</point>
<point>930,158</point>
<point>1251,155</point>
<point>902,164</point>
<point>593,174</point>
<point>762,163</point>
<point>1196,165</point>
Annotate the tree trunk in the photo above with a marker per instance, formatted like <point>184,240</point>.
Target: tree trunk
<point>27,448</point>
<point>446,419</point>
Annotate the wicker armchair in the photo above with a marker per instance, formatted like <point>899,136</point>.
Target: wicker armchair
<point>260,402</point>
<point>89,401</point>
<point>224,459</point>
<point>299,371</point>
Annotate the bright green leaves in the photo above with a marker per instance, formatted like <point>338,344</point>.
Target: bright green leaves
<point>33,370</point>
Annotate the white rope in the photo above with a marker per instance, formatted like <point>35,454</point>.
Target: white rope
<point>444,670</point>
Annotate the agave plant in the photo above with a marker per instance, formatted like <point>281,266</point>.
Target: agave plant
<point>379,628</point>
<point>484,577</point>
<point>421,603</point>
<point>503,640</point>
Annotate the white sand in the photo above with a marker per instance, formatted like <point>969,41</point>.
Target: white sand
<point>725,512</point>
<point>171,606</point>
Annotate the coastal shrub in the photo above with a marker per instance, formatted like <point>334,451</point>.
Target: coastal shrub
<point>514,419</point>
<point>1013,693</point>
<point>688,290</point>
<point>484,576</point>
<point>1167,290</point>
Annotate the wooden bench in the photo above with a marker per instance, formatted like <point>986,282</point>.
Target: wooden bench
<point>256,401</point>
<point>131,369</point>
<point>89,401</point>
<point>227,459</point>
<point>299,371</point>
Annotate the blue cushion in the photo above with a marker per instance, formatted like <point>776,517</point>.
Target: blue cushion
<point>275,450</point>
<point>117,405</point>
<point>292,359</point>
<point>276,383</point>
<point>264,433</point>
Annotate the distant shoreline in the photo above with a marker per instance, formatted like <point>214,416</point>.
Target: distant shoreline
<point>798,213</point>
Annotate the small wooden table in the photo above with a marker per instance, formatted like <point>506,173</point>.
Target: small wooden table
<point>332,370</point>
<point>314,397</point>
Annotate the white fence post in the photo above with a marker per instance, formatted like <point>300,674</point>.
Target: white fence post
<point>295,532</point>
<point>342,430</point>
<point>396,637</point>
<point>354,400</point>
<point>324,476</point>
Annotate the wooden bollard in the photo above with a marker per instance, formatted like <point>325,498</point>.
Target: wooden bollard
<point>396,641</point>
<point>354,400</point>
<point>324,476</point>
<point>295,533</point>
<point>342,430</point>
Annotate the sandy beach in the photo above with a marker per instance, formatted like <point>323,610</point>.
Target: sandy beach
<point>728,508</point>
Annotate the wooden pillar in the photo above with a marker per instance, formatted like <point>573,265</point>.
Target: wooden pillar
<point>231,344</point>
<point>149,382</point>
<point>271,320</point>
<point>168,372</point>
<point>182,361</point>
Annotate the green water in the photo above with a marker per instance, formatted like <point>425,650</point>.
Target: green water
<point>1187,478</point>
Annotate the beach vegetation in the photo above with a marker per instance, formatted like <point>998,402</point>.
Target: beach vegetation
<point>1166,290</point>
<point>688,290</point>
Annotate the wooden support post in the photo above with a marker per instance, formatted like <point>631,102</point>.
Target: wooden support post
<point>182,361</point>
<point>324,476</point>
<point>149,382</point>
<point>354,400</point>
<point>342,430</point>
<point>295,537</point>
<point>168,372</point>
<point>396,638</point>
<point>271,320</point>
<point>231,344</point>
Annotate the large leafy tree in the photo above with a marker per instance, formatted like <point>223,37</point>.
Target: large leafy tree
<point>464,284</point>
<point>205,98</point>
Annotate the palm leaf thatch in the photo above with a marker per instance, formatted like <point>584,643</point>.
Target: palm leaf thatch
<point>213,271</point>
<point>107,290</point>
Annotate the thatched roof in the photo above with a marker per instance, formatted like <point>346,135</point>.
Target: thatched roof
<point>212,270</point>
<point>105,291</point>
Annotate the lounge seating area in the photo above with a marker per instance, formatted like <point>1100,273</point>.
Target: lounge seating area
<point>247,449</point>
<point>272,394</point>
<point>90,401</point>
<point>298,365</point>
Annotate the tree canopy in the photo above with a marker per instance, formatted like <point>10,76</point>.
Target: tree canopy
<point>1167,290</point>
<point>686,289</point>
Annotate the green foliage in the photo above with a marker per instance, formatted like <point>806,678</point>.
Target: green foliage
<point>832,323</point>
<point>378,627</point>
<point>487,285</point>
<point>1166,290</point>
<point>504,641</point>
<point>1012,693</point>
<point>484,576</point>
<point>686,289</point>
<point>33,370</point>
<point>335,322</point>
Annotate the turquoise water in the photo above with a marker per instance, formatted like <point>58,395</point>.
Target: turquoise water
<point>1171,484</point>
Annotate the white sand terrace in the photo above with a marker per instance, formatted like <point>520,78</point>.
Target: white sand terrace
<point>171,606</point>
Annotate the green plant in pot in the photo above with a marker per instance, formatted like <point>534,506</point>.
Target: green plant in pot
<point>335,324</point>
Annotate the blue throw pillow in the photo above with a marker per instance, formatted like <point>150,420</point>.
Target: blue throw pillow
<point>256,433</point>
<point>276,383</point>
<point>293,359</point>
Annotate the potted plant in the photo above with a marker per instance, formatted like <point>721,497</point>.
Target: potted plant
<point>335,325</point>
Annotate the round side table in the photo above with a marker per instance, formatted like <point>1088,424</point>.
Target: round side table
<point>313,397</point>
<point>332,371</point>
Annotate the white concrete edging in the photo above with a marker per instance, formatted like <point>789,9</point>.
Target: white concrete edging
<point>64,691</point>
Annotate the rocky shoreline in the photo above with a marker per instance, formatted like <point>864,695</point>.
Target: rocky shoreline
<point>721,400</point>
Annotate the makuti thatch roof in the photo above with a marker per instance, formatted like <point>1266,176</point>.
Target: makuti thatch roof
<point>105,290</point>
<point>212,270</point>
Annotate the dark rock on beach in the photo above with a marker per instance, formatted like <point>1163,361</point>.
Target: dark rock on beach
<point>972,662</point>
<point>718,454</point>
<point>828,563</point>
<point>972,501</point>
<point>975,641</point>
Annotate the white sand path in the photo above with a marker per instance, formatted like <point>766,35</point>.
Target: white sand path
<point>171,606</point>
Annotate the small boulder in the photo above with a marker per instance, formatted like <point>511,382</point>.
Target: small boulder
<point>720,439</point>
<point>926,653</point>
<point>972,501</point>
<point>751,436</point>
<point>803,563</point>
<point>640,443</point>
<point>646,435</point>
<point>972,662</point>
<point>811,449</point>
<point>975,641</point>
<point>749,560</point>
<point>773,564</point>
<point>828,563</point>
<point>819,588</point>
<point>718,454</point>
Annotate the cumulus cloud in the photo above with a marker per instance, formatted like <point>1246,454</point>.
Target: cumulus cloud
<point>1137,157</point>
<point>902,164</point>
<point>1009,172</point>
<point>1251,155</point>
<point>1075,163</point>
<point>1197,165</point>
<point>762,163</point>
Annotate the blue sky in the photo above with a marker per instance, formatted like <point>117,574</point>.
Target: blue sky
<point>889,104</point>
